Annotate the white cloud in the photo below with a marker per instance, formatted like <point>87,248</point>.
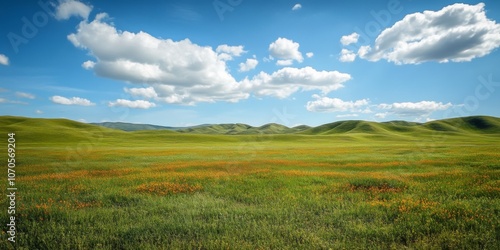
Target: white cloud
<point>3,100</point>
<point>326,104</point>
<point>137,104</point>
<point>148,92</point>
<point>71,101</point>
<point>297,6</point>
<point>4,60</point>
<point>248,65</point>
<point>88,65</point>
<point>179,71</point>
<point>309,54</point>
<point>25,95</point>
<point>349,39</point>
<point>347,56</point>
<point>457,33</point>
<point>422,108</point>
<point>286,50</point>
<point>232,50</point>
<point>182,72</point>
<point>68,8</point>
<point>227,52</point>
<point>287,81</point>
<point>38,111</point>
<point>403,109</point>
<point>284,62</point>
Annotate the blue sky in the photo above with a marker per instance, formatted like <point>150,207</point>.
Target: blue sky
<point>181,63</point>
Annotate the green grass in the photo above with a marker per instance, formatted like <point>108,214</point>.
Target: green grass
<point>404,186</point>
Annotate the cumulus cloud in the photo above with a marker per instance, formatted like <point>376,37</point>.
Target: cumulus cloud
<point>25,95</point>
<point>179,71</point>
<point>4,60</point>
<point>457,33</point>
<point>182,72</point>
<point>326,104</point>
<point>347,55</point>
<point>284,62</point>
<point>148,92</point>
<point>287,81</point>
<point>137,104</point>
<point>297,6</point>
<point>349,39</point>
<point>418,110</point>
<point>422,108</point>
<point>88,65</point>
<point>199,93</point>
<point>71,101</point>
<point>69,8</point>
<point>248,65</point>
<point>286,51</point>
<point>38,111</point>
<point>309,54</point>
<point>227,52</point>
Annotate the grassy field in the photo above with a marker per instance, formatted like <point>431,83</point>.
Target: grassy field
<point>86,187</point>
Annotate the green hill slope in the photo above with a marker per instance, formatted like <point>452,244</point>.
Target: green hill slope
<point>241,129</point>
<point>463,125</point>
<point>131,126</point>
<point>36,130</point>
<point>217,129</point>
<point>401,126</point>
<point>346,127</point>
<point>475,124</point>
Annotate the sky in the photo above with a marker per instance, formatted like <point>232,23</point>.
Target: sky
<point>187,62</point>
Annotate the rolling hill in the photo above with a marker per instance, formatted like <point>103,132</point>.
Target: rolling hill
<point>474,124</point>
<point>38,130</point>
<point>62,130</point>
<point>131,126</point>
<point>242,129</point>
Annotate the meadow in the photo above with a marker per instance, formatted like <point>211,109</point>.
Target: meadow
<point>85,187</point>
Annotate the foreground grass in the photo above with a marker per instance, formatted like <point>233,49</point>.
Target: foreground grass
<point>259,192</point>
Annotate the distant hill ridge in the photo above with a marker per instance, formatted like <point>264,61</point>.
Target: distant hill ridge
<point>228,128</point>
<point>463,125</point>
<point>131,126</point>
